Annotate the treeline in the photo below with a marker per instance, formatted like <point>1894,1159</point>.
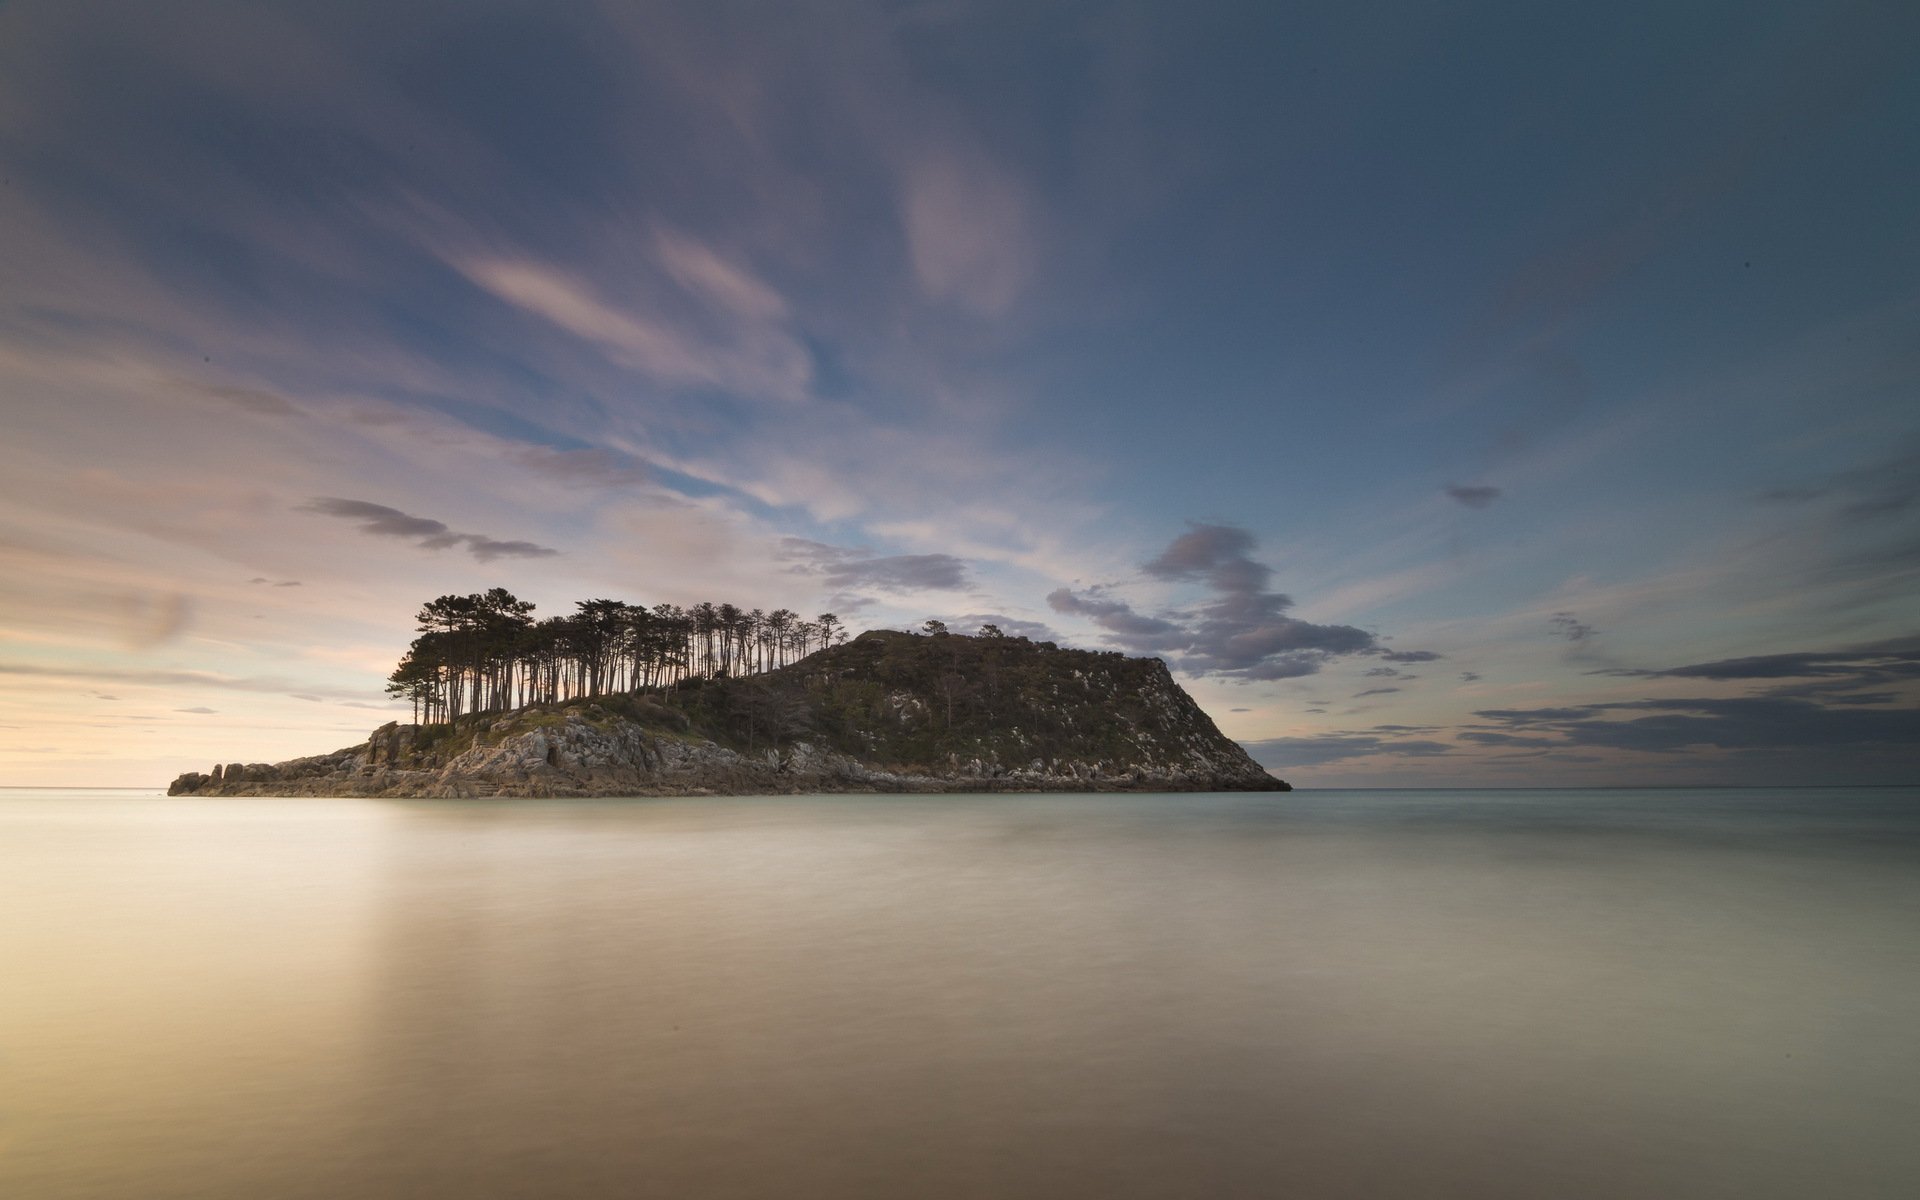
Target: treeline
<point>485,652</point>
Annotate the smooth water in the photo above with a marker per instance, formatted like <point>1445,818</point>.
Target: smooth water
<point>1338,994</point>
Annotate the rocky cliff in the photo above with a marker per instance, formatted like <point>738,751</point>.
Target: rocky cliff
<point>887,712</point>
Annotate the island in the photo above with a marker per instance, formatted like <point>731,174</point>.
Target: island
<point>886,711</point>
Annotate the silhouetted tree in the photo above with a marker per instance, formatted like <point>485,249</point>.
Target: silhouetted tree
<point>485,652</point>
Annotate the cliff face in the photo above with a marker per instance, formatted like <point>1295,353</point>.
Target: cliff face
<point>888,712</point>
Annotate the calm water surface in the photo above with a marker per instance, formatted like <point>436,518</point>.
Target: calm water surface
<point>1340,994</point>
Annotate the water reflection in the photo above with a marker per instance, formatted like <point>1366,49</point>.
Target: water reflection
<point>1366,994</point>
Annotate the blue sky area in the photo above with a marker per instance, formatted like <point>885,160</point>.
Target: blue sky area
<point>1454,395</point>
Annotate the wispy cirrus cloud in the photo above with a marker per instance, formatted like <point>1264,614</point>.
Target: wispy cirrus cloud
<point>968,227</point>
<point>702,271</point>
<point>688,317</point>
<point>258,401</point>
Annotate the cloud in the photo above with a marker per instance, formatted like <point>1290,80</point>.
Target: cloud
<point>1410,656</point>
<point>1243,632</point>
<point>1566,625</point>
<point>1859,698</point>
<point>592,467</point>
<point>382,521</point>
<point>1379,691</point>
<point>967,228</point>
<point>162,678</point>
<point>1738,723</point>
<point>1201,549</point>
<point>1533,716</point>
<point>1885,487</point>
<point>254,400</point>
<point>899,573</point>
<point>843,568</point>
<point>1469,676</point>
<point>699,269</point>
<point>1899,659</point>
<point>201,710</point>
<point>1119,620</point>
<point>732,336</point>
<point>1485,737</point>
<point>149,620</point>
<point>486,549</point>
<point>428,534</point>
<point>1846,715</point>
<point>1859,539</point>
<point>572,305</point>
<point>1281,753</point>
<point>811,552</point>
<point>1473,495</point>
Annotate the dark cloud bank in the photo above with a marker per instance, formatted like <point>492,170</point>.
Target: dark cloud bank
<point>1242,632</point>
<point>1843,716</point>
<point>428,534</point>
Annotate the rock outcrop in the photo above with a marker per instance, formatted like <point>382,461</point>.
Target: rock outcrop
<point>888,712</point>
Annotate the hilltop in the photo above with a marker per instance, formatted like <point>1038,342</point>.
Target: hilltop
<point>886,712</point>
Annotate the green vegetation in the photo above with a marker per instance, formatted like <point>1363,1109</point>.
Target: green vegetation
<point>894,700</point>
<point>747,681</point>
<point>485,652</point>
<point>886,711</point>
<point>899,700</point>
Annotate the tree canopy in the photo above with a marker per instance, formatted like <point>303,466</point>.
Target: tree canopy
<point>486,652</point>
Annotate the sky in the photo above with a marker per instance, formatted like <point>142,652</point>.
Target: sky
<point>1453,395</point>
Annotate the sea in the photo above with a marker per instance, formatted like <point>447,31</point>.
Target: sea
<point>1540,994</point>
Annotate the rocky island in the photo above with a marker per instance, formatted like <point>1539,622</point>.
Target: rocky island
<point>885,712</point>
